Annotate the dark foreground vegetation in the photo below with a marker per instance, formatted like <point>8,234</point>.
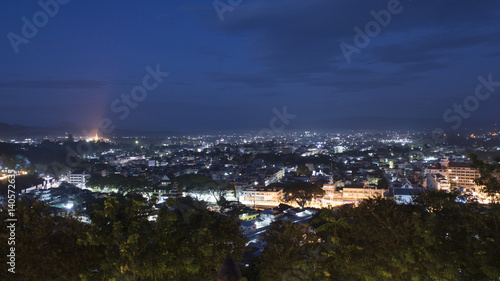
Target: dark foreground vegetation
<point>441,237</point>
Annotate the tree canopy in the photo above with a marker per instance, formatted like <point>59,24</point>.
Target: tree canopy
<point>301,192</point>
<point>442,236</point>
<point>185,242</point>
<point>287,255</point>
<point>46,245</point>
<point>490,175</point>
<point>205,185</point>
<point>438,238</point>
<point>127,239</point>
<point>122,183</point>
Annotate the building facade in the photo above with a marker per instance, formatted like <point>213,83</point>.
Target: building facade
<point>78,178</point>
<point>262,196</point>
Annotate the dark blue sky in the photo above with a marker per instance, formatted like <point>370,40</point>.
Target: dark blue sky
<point>232,73</point>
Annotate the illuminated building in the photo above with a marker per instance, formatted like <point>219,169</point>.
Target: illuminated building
<point>262,196</point>
<point>78,178</point>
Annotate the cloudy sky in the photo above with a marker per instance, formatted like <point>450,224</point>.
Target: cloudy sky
<point>230,64</point>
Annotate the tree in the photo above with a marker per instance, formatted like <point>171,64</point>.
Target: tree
<point>205,185</point>
<point>383,183</point>
<point>181,241</point>
<point>437,238</point>
<point>46,245</point>
<point>303,170</point>
<point>122,183</point>
<point>365,242</point>
<point>219,190</point>
<point>460,235</point>
<point>229,271</point>
<point>301,193</point>
<point>490,175</point>
<point>123,231</point>
<point>289,252</point>
<point>201,241</point>
<point>193,182</point>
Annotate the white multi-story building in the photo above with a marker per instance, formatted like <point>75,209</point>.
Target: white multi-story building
<point>459,175</point>
<point>350,193</point>
<point>262,196</point>
<point>78,178</point>
<point>275,177</point>
<point>455,175</point>
<point>438,181</point>
<point>355,193</point>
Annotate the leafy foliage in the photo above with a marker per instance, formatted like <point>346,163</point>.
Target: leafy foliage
<point>289,247</point>
<point>186,242</point>
<point>438,238</point>
<point>205,185</point>
<point>124,184</point>
<point>302,170</point>
<point>383,183</point>
<point>490,175</point>
<point>301,193</point>
<point>442,236</point>
<point>46,245</point>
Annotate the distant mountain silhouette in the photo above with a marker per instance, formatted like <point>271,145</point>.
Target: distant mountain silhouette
<point>334,124</point>
<point>64,128</point>
<point>16,131</point>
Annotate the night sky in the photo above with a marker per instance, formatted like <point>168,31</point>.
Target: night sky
<point>231,73</point>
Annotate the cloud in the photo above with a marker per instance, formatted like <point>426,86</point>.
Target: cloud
<point>496,54</point>
<point>220,56</point>
<point>296,40</point>
<point>353,84</point>
<point>180,83</point>
<point>54,84</point>
<point>266,94</point>
<point>252,80</point>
